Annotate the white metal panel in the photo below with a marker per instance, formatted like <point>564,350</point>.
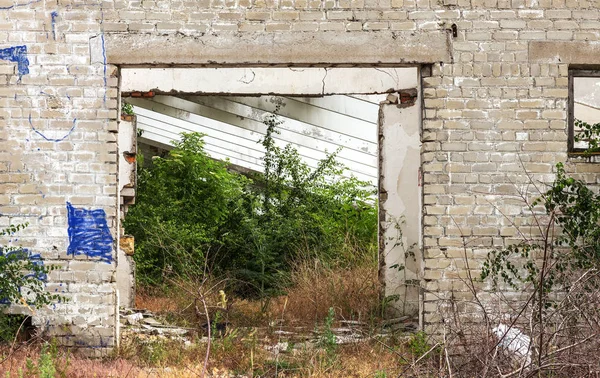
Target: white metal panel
<point>234,127</point>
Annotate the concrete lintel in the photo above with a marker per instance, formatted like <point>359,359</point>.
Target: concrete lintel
<point>289,81</point>
<point>569,52</point>
<point>369,48</point>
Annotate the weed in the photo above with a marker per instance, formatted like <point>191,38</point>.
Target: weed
<point>127,109</point>
<point>316,287</point>
<point>418,344</point>
<point>193,215</point>
<point>154,352</point>
<point>45,365</point>
<point>327,339</point>
<point>9,326</point>
<point>49,364</point>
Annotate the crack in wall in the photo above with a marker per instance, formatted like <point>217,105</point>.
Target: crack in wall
<point>247,81</point>
<point>323,81</point>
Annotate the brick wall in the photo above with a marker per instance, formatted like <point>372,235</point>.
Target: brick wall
<point>492,108</point>
<point>57,146</point>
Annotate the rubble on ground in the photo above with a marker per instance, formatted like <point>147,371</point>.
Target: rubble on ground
<point>277,338</point>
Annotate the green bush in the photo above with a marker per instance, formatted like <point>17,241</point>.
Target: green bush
<point>589,133</point>
<point>9,326</point>
<point>192,214</point>
<point>183,203</point>
<point>22,281</point>
<point>23,274</point>
<point>569,241</point>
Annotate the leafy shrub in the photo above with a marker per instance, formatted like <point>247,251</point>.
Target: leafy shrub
<point>418,344</point>
<point>183,201</point>
<point>589,133</point>
<point>193,215</point>
<point>9,326</point>
<point>569,242</point>
<point>295,212</point>
<point>23,274</point>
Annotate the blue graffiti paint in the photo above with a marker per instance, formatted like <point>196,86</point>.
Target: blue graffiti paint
<point>20,5</point>
<point>103,51</point>
<point>54,15</point>
<point>89,234</point>
<point>17,54</point>
<point>24,254</point>
<point>104,63</point>
<point>53,139</point>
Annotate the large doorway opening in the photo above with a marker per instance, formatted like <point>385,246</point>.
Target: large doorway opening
<point>371,116</point>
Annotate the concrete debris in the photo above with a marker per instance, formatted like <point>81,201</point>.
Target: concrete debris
<point>288,339</point>
<point>351,323</point>
<point>151,321</point>
<point>283,333</point>
<point>142,322</point>
<point>349,339</point>
<point>278,348</point>
<point>133,318</point>
<point>389,322</point>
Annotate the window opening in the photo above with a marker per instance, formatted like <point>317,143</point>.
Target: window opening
<point>584,115</point>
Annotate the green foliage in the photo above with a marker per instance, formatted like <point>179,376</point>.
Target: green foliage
<point>571,241</point>
<point>45,367</point>
<point>327,339</point>
<point>193,214</point>
<point>22,278</point>
<point>418,344</point>
<point>127,108</point>
<point>589,133</point>
<point>183,204</point>
<point>9,326</point>
<point>294,212</point>
<point>49,364</point>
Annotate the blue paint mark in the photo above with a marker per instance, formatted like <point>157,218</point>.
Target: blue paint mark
<point>103,51</point>
<point>17,54</point>
<point>24,254</point>
<point>54,15</point>
<point>52,139</point>
<point>20,5</point>
<point>104,63</point>
<point>89,234</point>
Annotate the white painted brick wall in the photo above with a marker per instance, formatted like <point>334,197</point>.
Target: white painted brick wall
<point>488,106</point>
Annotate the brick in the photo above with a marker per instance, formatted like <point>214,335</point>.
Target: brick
<point>490,105</point>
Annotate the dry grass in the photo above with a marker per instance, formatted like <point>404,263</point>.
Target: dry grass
<point>238,355</point>
<point>25,362</point>
<point>352,292</point>
<point>241,359</point>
